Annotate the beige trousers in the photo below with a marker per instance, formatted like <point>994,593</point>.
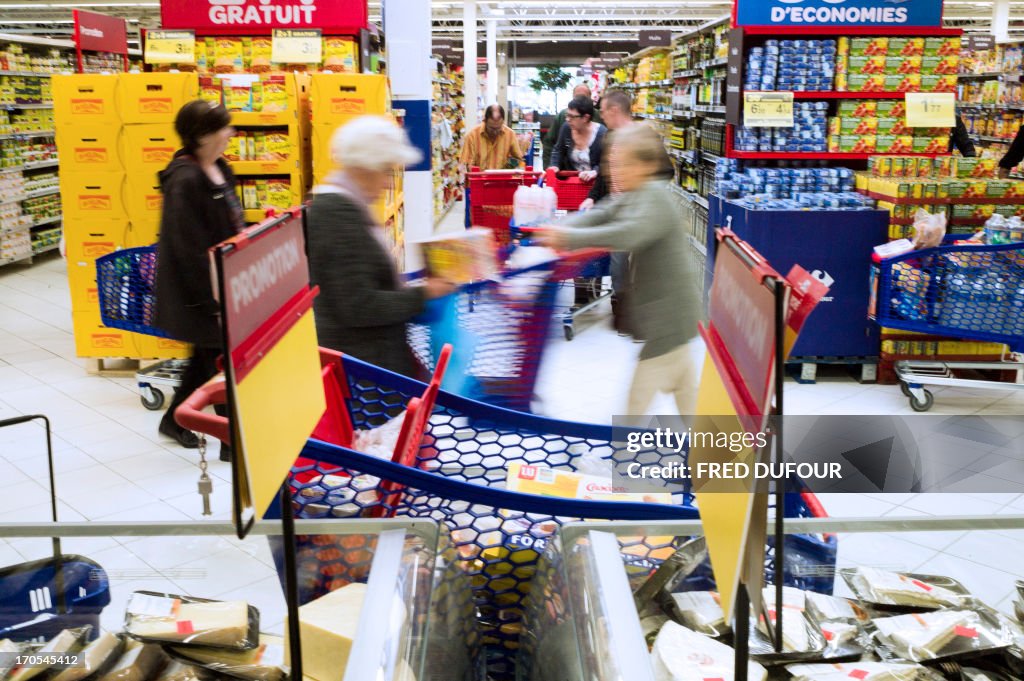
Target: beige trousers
<point>674,372</point>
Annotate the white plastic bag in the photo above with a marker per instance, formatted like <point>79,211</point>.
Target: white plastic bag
<point>380,441</point>
<point>929,229</point>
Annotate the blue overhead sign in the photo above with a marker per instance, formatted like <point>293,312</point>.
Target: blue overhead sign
<point>915,13</point>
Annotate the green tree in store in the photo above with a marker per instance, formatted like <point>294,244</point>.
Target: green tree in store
<point>550,77</point>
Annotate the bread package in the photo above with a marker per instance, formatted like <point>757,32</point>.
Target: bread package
<point>935,635</point>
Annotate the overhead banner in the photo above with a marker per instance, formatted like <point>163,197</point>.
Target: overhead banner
<point>259,17</point>
<point>909,13</point>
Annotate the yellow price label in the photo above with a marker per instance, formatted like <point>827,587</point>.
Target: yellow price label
<point>768,109</point>
<point>297,46</point>
<point>931,109</point>
<point>170,47</point>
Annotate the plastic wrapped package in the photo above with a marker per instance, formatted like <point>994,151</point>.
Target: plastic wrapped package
<point>66,642</point>
<point>929,229</point>
<point>882,587</point>
<point>798,636</point>
<point>936,635</point>
<point>864,671</point>
<point>179,671</point>
<point>681,654</point>
<point>841,623</point>
<point>379,441</point>
<point>8,650</point>
<point>139,662</point>
<point>700,611</point>
<point>263,663</point>
<point>179,619</point>
<point>96,657</point>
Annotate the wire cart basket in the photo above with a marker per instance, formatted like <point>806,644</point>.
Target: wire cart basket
<point>449,464</point>
<point>126,280</point>
<point>499,330</point>
<point>974,292</point>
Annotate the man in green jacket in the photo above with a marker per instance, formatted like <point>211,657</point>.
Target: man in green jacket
<point>581,90</point>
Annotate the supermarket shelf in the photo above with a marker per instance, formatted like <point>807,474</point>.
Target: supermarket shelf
<point>833,94</point>
<point>655,117</point>
<point>698,246</point>
<point>263,167</point>
<point>692,73</point>
<point>648,84</point>
<point>710,109</point>
<point>704,27</point>
<point>29,74</point>
<point>967,200</point>
<point>27,135</point>
<point>31,195</point>
<point>46,248</point>
<point>987,138</point>
<point>46,221</point>
<point>983,76</point>
<point>708,156</point>
<point>688,155</point>
<point>994,107</point>
<point>814,155</point>
<point>684,113</point>
<point>258,118</point>
<point>38,165</point>
<point>696,198</point>
<point>20,107</point>
<point>852,30</point>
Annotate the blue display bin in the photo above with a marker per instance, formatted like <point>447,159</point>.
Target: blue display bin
<point>834,242</point>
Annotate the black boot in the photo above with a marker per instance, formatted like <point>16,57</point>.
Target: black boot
<point>184,437</point>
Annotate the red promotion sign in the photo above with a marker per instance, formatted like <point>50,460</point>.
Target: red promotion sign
<point>254,17</point>
<point>100,33</point>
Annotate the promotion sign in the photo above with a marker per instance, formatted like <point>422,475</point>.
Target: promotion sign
<point>297,46</point>
<point>931,109</point>
<point>916,13</point>
<point>170,47</point>
<point>100,33</point>
<point>768,109</point>
<point>259,17</point>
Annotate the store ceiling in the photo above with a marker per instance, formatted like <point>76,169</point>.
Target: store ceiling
<point>523,21</point>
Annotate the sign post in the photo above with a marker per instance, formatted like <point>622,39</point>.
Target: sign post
<point>655,38</point>
<point>96,32</point>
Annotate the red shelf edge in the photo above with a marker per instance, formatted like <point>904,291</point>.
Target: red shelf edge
<point>852,30</point>
<point>835,94</point>
<point>813,155</point>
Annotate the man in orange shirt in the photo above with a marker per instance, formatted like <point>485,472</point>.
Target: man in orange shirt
<point>492,145</point>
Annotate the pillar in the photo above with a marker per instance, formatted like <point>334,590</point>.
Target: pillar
<point>492,61</point>
<point>1001,20</point>
<point>471,84</point>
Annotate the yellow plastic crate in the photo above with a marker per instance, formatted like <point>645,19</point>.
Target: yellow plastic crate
<point>89,148</point>
<point>85,99</point>
<point>155,97</point>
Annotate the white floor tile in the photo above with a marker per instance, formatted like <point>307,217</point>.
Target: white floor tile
<point>951,504</point>
<point>985,580</point>
<point>854,506</point>
<point>229,570</point>
<point>937,540</point>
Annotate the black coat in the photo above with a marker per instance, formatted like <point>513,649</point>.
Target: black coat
<point>197,215</point>
<point>560,153</point>
<point>363,307</point>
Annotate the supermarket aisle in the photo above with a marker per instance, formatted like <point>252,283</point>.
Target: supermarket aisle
<point>113,465</point>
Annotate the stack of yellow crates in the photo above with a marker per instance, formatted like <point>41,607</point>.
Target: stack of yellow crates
<point>114,133</point>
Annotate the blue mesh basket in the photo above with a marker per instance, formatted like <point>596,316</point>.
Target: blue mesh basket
<point>458,478</point>
<point>961,291</point>
<point>126,281</point>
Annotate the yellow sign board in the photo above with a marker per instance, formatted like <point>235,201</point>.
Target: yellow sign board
<point>768,109</point>
<point>297,46</point>
<point>931,109</point>
<point>170,47</point>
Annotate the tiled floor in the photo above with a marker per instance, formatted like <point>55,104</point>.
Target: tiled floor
<point>113,465</point>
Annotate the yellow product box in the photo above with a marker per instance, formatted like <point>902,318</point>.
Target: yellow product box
<point>336,96</point>
<point>857,108</point>
<point>85,99</point>
<point>835,124</point>
<point>1016,190</point>
<point>930,145</point>
<point>229,55</point>
<point>956,189</point>
<point>233,152</point>
<point>469,255</point>
<point>998,189</point>
<point>906,47</point>
<point>858,126</point>
<point>948,65</point>
<point>894,144</point>
<point>859,82</point>
<point>274,94</point>
<point>341,55</point>
<point>155,97</point>
<point>87,240</point>
<point>260,50</point>
<point>866,65</point>
<point>202,63</point>
<point>262,197</point>
<point>947,46</point>
<point>942,166</point>
<point>934,83</point>
<point>238,97</point>
<point>250,146</point>
<point>868,46</point>
<point>279,194</point>
<point>861,181</point>
<point>972,211</point>
<point>145,231</point>
<point>858,144</point>
<point>96,340</point>
<point>903,82</point>
<point>974,167</point>
<point>148,148</point>
<point>145,201</point>
<point>93,196</point>
<point>152,347</point>
<point>89,148</point>
<point>902,64</point>
<point>842,81</point>
<point>880,166</point>
<point>277,146</point>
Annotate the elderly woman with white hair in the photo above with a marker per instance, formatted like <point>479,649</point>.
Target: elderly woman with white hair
<point>363,306</point>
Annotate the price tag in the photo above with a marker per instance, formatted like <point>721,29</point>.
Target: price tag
<point>768,109</point>
<point>931,109</point>
<point>170,47</point>
<point>297,46</point>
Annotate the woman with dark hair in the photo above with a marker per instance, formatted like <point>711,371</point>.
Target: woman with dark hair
<point>580,140</point>
<point>200,210</point>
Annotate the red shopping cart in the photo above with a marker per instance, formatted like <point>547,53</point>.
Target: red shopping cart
<point>489,198</point>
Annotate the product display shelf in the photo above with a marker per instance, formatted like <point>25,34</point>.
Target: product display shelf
<point>447,129</point>
<point>27,65</point>
<point>990,96</point>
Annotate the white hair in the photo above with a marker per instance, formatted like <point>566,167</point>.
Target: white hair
<point>372,143</point>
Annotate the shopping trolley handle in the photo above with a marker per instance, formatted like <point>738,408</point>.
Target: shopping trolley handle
<point>190,413</point>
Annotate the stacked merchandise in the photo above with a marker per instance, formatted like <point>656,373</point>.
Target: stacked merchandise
<point>880,126</point>
<point>808,134</point>
<point>788,188</point>
<point>990,97</point>
<point>102,62</point>
<point>649,74</point>
<point>967,193</point>
<point>447,130</point>
<point>244,54</point>
<point>791,65</point>
<point>25,90</point>
<point>13,57</point>
<point>15,239</point>
<point>884,64</point>
<point>115,133</point>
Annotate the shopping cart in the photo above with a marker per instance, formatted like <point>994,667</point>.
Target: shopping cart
<point>499,330</point>
<point>489,199</point>
<point>974,292</point>
<point>41,598</point>
<point>570,192</point>
<point>126,280</point>
<point>456,474</point>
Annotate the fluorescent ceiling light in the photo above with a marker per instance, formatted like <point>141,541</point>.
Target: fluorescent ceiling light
<point>6,22</point>
<point>77,5</point>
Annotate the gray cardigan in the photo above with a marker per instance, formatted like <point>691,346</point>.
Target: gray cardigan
<point>664,304</point>
<point>363,307</point>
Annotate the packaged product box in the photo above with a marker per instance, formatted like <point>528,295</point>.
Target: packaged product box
<point>1016,190</point>
<point>250,146</point>
<point>942,166</point>
<point>247,54</point>
<point>260,51</point>
<point>956,189</point>
<point>974,167</point>
<point>211,89</point>
<point>261,193</point>
<point>940,65</point>
<point>842,82</point>
<point>277,146</point>
<point>466,256</point>
<point>888,125</point>
<point>858,144</point>
<point>894,144</point>
<point>835,124</point>
<point>908,82</point>
<point>201,57</point>
<point>902,64</point>
<point>279,194</point>
<point>866,64</point>
<point>228,55</point>
<point>857,108</point>
<point>868,46</point>
<point>233,152</point>
<point>933,83</point>
<point>906,47</point>
<point>250,199</point>
<point>340,55</point>
<point>968,211</point>
<point>924,144</point>
<point>946,46</point>
<point>998,189</point>
<point>275,94</point>
<point>880,166</point>
<point>891,108</point>
<point>858,126</point>
<point>860,82</point>
<point>238,97</point>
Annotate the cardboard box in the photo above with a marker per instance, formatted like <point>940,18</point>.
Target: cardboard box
<point>866,64</point>
<point>891,108</point>
<point>85,99</point>
<point>940,65</point>
<point>866,46</point>
<point>998,189</point>
<point>93,196</point>
<point>933,83</point>
<point>909,82</point>
<point>93,340</point>
<point>89,148</point>
<point>974,167</point>
<point>894,144</point>
<point>859,82</point>
<point>942,46</point>
<point>857,108</point>
<point>155,97</point>
<point>901,64</point>
<point>858,126</point>
<point>893,126</point>
<point>338,97</point>
<point>86,240</point>
<point>906,47</point>
<point>858,144</point>
<point>154,347</point>
<point>930,145</point>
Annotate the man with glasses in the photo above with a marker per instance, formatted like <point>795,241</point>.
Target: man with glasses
<point>492,145</point>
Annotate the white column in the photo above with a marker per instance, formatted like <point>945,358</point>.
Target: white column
<point>1001,20</point>
<point>492,61</point>
<point>469,62</point>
